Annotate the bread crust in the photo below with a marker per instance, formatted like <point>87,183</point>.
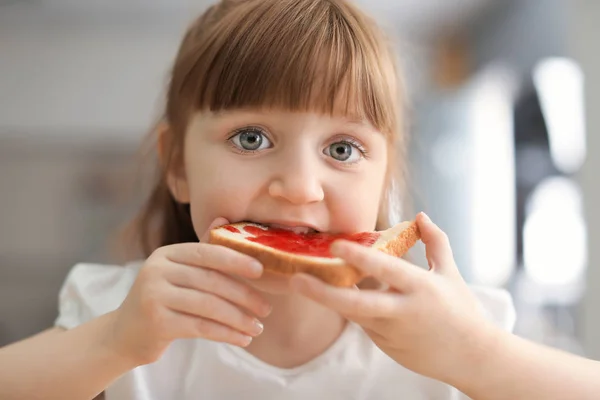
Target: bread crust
<point>338,273</point>
<point>399,246</point>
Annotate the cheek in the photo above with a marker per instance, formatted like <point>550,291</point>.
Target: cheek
<point>354,205</point>
<point>219,188</point>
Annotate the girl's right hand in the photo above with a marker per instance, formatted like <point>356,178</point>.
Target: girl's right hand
<point>186,291</point>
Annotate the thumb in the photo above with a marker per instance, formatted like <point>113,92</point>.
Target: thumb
<point>216,223</point>
<point>437,245</point>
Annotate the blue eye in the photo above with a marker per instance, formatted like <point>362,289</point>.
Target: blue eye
<point>344,151</point>
<point>250,139</point>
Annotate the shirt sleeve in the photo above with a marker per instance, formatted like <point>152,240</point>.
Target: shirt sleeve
<point>91,290</point>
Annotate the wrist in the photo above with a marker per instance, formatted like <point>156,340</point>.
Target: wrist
<point>111,344</point>
<point>477,355</point>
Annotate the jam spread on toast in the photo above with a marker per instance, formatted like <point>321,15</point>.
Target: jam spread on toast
<point>308,244</point>
<point>232,229</point>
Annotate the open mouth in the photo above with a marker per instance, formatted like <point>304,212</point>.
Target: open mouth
<point>302,240</point>
<point>300,230</point>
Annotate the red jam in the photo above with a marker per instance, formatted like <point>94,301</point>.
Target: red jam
<point>232,229</point>
<point>309,244</point>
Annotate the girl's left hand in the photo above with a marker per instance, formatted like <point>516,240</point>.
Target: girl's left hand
<point>428,321</point>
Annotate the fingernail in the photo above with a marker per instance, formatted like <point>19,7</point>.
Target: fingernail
<point>246,340</point>
<point>256,267</point>
<point>257,327</point>
<point>216,223</point>
<point>267,310</point>
<point>426,217</point>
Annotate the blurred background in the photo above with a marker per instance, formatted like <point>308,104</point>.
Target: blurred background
<point>503,154</point>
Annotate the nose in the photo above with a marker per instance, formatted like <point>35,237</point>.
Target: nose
<point>297,182</point>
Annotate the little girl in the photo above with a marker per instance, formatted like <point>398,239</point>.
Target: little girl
<point>286,113</point>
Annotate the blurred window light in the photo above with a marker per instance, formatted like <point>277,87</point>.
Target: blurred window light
<point>493,178</point>
<point>559,83</point>
<point>554,235</point>
<point>448,155</point>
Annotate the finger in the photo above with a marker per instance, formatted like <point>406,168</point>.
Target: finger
<point>207,305</point>
<point>437,245</point>
<point>191,327</point>
<point>215,224</point>
<point>393,271</point>
<point>214,257</point>
<point>221,285</point>
<point>351,303</point>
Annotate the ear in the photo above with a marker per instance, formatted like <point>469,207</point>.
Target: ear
<point>172,163</point>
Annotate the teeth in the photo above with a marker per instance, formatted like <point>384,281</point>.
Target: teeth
<point>295,229</point>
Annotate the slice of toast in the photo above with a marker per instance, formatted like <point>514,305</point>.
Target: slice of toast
<point>288,253</point>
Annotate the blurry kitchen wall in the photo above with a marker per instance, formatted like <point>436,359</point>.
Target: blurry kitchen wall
<point>80,84</point>
<point>583,42</point>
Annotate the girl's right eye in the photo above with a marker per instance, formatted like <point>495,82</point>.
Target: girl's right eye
<point>250,140</point>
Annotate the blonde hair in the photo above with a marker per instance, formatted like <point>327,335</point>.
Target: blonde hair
<point>295,55</point>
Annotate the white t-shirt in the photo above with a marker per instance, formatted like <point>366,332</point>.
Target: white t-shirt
<point>352,368</point>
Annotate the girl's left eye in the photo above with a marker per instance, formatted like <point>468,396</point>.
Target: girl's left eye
<point>250,140</point>
<point>345,151</point>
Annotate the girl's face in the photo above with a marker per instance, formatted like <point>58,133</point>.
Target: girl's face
<point>306,171</point>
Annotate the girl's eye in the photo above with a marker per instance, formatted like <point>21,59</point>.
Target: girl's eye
<point>344,151</point>
<point>251,139</point>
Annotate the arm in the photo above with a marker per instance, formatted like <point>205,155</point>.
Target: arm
<point>55,364</point>
<point>431,324</point>
<point>505,366</point>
